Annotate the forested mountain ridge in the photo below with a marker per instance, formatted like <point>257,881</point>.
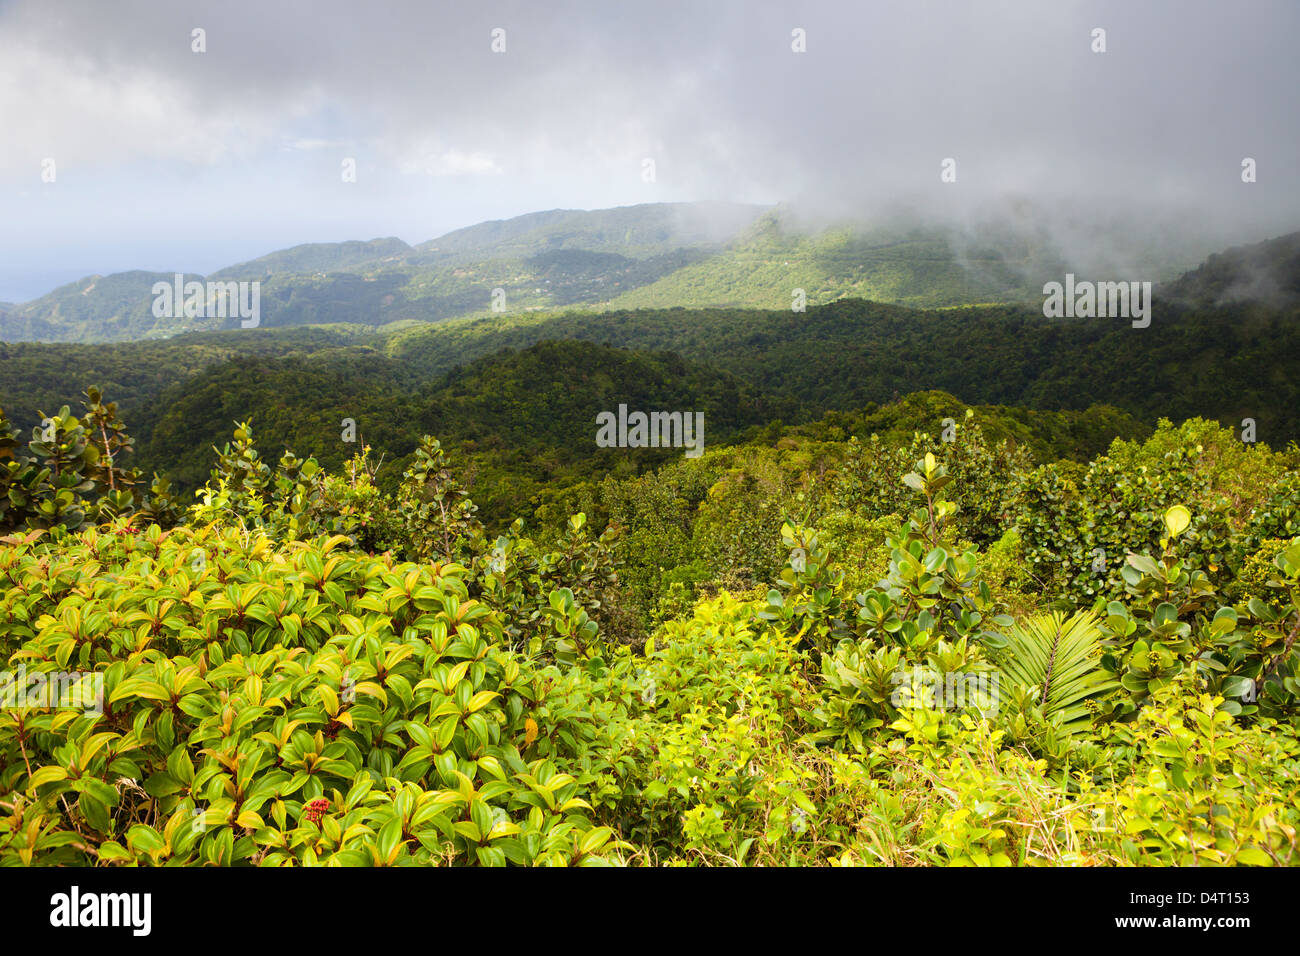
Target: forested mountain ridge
<point>547,259</point>
<point>899,262</point>
<point>1267,272</point>
<point>1229,362</point>
<point>698,255</point>
<point>319,257</point>
<point>517,393</point>
<point>640,231</point>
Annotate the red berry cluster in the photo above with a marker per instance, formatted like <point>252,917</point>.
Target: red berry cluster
<point>316,809</point>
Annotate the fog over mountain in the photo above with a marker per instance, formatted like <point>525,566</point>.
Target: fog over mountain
<point>170,159</point>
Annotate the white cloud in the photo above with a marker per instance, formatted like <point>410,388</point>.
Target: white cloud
<point>446,133</point>
<point>453,162</point>
<point>310,145</point>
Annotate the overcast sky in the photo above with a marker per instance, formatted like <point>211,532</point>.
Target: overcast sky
<point>168,159</point>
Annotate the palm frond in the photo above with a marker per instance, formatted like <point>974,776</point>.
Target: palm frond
<point>1060,659</point>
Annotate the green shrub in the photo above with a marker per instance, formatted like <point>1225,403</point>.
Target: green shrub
<point>272,703</point>
<point>912,658</point>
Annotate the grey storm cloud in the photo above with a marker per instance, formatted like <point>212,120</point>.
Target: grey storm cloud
<point>711,91</point>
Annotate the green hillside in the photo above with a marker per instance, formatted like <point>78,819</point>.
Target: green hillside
<point>315,257</point>
<point>518,392</point>
<point>541,260</point>
<point>97,308</point>
<point>902,264</point>
<point>42,376</point>
<point>527,418</point>
<point>664,255</point>
<point>1228,362</point>
<point>1266,272</point>
<point>640,231</point>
